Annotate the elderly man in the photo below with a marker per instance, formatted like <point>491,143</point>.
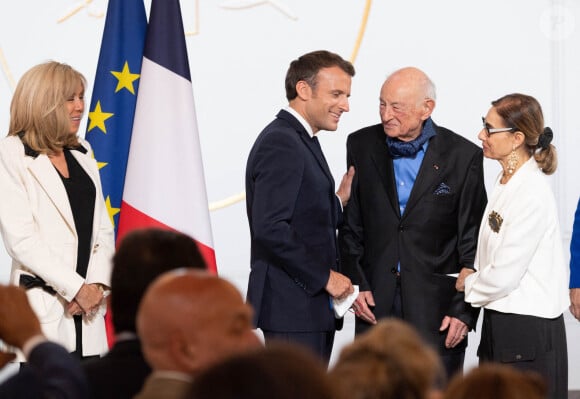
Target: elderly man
<point>187,321</point>
<point>413,217</point>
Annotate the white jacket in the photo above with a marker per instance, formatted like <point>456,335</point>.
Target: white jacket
<point>39,234</point>
<point>521,268</point>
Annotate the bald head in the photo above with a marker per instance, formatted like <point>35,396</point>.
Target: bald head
<point>407,100</point>
<point>190,319</point>
<point>413,79</point>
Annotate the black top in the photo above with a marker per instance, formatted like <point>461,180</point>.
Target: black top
<point>81,197</point>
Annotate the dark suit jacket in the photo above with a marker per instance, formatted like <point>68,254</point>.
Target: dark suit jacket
<point>293,214</point>
<point>436,235</point>
<point>51,372</point>
<point>119,374</point>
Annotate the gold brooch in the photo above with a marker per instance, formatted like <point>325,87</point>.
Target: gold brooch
<point>495,221</point>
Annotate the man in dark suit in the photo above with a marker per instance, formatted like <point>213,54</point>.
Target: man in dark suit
<point>294,212</point>
<point>413,218</point>
<point>50,371</point>
<point>142,256</point>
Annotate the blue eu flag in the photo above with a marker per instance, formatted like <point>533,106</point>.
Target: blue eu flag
<point>112,109</point>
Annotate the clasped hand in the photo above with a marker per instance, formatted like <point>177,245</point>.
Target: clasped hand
<point>87,301</point>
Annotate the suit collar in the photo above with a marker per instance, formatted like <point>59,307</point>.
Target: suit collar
<point>292,120</point>
<point>428,172</point>
<point>300,119</point>
<point>308,141</point>
<point>48,178</point>
<point>384,164</point>
<point>430,169</point>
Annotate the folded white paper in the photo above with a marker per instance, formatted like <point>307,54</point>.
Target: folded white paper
<point>341,306</point>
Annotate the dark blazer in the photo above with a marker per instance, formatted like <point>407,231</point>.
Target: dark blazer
<point>293,214</point>
<point>51,372</point>
<point>119,374</point>
<point>436,235</point>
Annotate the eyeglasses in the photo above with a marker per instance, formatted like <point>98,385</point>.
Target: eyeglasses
<point>492,130</point>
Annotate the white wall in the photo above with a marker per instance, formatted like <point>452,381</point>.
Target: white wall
<point>474,51</point>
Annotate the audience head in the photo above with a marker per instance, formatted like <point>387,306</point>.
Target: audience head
<point>524,114</point>
<point>189,319</point>
<point>44,107</point>
<point>388,361</point>
<point>497,381</point>
<point>407,99</point>
<point>281,371</point>
<point>142,256</point>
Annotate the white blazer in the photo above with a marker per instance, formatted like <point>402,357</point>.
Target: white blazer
<point>37,226</point>
<point>520,267</point>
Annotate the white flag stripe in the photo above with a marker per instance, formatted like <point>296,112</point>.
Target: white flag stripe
<point>165,178</point>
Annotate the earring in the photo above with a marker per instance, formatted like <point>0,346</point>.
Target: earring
<point>512,162</point>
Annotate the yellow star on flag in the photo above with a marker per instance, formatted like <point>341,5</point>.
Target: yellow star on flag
<point>98,117</point>
<point>125,78</point>
<point>101,165</point>
<point>112,211</point>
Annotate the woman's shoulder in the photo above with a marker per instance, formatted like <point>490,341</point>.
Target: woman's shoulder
<point>9,141</point>
<point>11,145</point>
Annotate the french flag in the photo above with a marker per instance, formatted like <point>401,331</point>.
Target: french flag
<point>164,182</point>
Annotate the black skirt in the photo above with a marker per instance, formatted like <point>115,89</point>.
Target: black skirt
<point>527,343</point>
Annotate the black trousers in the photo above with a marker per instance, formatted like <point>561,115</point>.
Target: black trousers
<point>452,362</point>
<point>527,343</point>
<point>319,342</point>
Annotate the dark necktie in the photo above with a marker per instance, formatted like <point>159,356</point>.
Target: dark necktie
<point>317,144</point>
<point>319,154</point>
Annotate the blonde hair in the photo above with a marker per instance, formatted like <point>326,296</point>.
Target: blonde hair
<point>38,108</point>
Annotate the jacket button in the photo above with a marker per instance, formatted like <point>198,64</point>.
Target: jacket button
<point>518,357</point>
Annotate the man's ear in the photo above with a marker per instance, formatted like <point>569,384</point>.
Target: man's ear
<point>303,90</point>
<point>185,353</point>
<point>428,107</point>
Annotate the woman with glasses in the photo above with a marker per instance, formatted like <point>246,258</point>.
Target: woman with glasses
<point>521,279</point>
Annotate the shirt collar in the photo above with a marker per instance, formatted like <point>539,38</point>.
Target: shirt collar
<point>301,119</point>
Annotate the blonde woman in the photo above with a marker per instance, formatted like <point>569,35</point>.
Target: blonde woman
<point>53,218</point>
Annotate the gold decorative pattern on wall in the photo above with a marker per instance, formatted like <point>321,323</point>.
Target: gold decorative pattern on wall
<point>94,10</point>
<point>97,11</point>
<point>195,30</point>
<point>277,4</point>
<point>240,4</point>
<point>361,30</point>
<point>6,71</point>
